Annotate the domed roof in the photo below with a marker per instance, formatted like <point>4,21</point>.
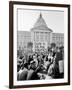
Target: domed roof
<point>41,24</point>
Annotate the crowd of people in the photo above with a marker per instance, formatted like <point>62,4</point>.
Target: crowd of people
<point>41,65</point>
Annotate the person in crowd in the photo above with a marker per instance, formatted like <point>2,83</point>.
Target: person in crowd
<point>35,60</point>
<point>30,58</point>
<point>61,63</point>
<point>22,74</point>
<point>47,63</point>
<point>19,61</point>
<point>53,70</point>
<point>39,60</point>
<point>32,74</point>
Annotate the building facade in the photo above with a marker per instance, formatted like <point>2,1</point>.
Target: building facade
<point>40,35</point>
<point>23,37</point>
<point>58,38</point>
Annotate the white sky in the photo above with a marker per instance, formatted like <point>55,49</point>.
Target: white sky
<point>53,19</point>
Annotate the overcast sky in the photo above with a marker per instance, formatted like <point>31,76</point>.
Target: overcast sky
<point>53,19</point>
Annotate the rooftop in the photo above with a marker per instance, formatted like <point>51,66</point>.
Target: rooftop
<point>41,24</point>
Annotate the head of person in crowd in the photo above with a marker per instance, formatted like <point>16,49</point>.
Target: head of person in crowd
<point>21,56</point>
<point>50,53</point>
<point>25,65</point>
<point>30,58</point>
<point>34,57</point>
<point>58,50</point>
<point>35,60</point>
<point>61,49</point>
<point>33,65</point>
<point>36,54</point>
<point>39,58</point>
<point>19,61</point>
<point>44,58</point>
<point>50,56</point>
